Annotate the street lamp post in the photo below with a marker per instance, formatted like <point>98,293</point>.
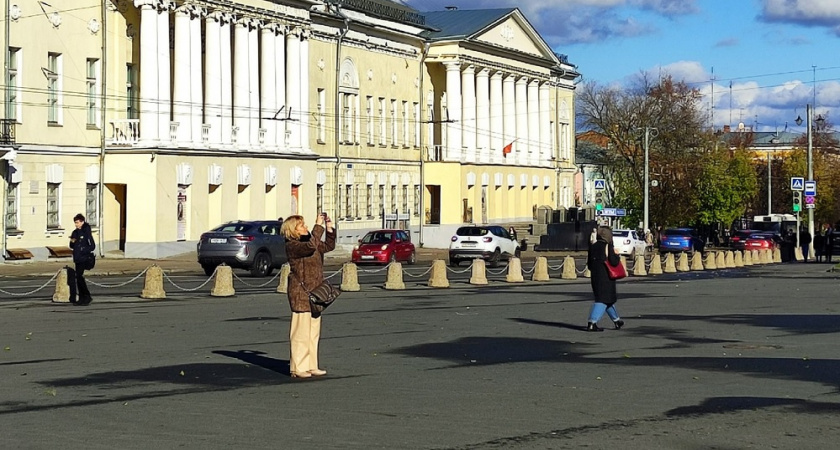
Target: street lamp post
<point>810,134</point>
<point>649,133</point>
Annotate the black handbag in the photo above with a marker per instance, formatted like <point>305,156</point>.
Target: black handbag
<point>91,261</point>
<point>320,297</point>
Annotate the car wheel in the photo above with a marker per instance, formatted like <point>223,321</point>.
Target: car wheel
<point>262,265</point>
<point>208,269</point>
<point>494,259</point>
<point>412,258</point>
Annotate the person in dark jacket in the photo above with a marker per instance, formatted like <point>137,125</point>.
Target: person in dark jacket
<point>81,241</point>
<point>804,242</point>
<point>305,252</point>
<point>602,286</point>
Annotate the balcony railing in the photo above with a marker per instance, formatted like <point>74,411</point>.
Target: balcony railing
<point>7,132</point>
<point>125,131</point>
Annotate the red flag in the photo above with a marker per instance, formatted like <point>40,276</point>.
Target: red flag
<point>508,148</point>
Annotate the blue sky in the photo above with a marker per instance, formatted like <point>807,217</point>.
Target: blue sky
<point>771,52</point>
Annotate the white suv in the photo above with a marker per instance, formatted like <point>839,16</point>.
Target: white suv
<point>491,243</point>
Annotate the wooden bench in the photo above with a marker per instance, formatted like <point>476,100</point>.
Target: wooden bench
<point>18,253</point>
<point>60,252</point>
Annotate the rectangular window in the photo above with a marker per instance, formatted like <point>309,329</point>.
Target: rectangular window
<point>347,118</point>
<point>14,105</point>
<point>12,206</point>
<point>91,204</point>
<point>53,193</point>
<point>416,137</point>
<point>322,125</point>
<point>92,92</point>
<point>369,201</point>
<point>369,120</point>
<point>394,122</point>
<point>405,128</point>
<point>348,207</point>
<point>339,213</point>
<point>416,200</point>
<point>393,199</point>
<point>405,199</point>
<point>381,200</point>
<point>382,127</point>
<point>53,73</point>
<point>130,93</point>
<point>319,200</point>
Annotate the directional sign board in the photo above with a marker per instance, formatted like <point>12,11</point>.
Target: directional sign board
<point>613,212</point>
<point>810,188</point>
<point>600,184</point>
<point>797,183</point>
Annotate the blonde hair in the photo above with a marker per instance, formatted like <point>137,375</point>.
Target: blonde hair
<point>289,227</point>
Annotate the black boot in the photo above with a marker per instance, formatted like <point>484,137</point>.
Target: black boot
<point>618,324</point>
<point>592,326</point>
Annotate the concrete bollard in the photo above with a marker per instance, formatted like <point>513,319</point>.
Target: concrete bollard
<point>721,260</point>
<point>797,254</point>
<point>670,267</point>
<point>739,259</point>
<point>514,272</point>
<point>682,264</point>
<point>623,262</point>
<point>730,260</point>
<point>748,258</point>
<point>710,261</point>
<point>350,278</point>
<point>394,282</point>
<point>283,285</point>
<point>153,284</point>
<point>756,257</point>
<point>569,269</point>
<point>223,282</point>
<point>697,261</point>
<point>655,265</point>
<point>62,289</point>
<point>540,269</point>
<point>479,272</point>
<point>777,255</point>
<point>586,272</point>
<point>639,267</point>
<point>438,277</point>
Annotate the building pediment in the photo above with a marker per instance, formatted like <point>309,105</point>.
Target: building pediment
<point>514,33</point>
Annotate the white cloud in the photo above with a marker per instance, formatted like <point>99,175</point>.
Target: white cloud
<point>804,12</point>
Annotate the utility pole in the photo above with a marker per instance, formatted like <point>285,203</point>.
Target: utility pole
<point>809,112</point>
<point>650,132</point>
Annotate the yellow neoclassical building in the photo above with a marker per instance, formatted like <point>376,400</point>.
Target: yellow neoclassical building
<point>203,111</point>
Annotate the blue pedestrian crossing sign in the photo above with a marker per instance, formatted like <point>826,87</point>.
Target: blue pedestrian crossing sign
<point>600,184</point>
<point>797,183</point>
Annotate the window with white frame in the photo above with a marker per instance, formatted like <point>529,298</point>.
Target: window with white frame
<point>14,111</point>
<point>348,207</point>
<point>382,126</point>
<point>130,92</point>
<point>92,204</point>
<point>416,137</point>
<point>564,141</point>
<point>416,200</point>
<point>393,198</point>
<point>53,206</point>
<point>405,199</point>
<point>348,119</point>
<point>339,212</point>
<point>381,200</point>
<point>369,198</point>
<point>12,206</point>
<point>92,100</point>
<point>405,128</point>
<point>394,122</point>
<point>319,198</point>
<point>369,113</point>
<point>552,135</point>
<point>53,74</point>
<point>322,123</point>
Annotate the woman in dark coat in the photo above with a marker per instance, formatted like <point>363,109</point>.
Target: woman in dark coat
<point>81,241</point>
<point>305,252</point>
<point>602,286</point>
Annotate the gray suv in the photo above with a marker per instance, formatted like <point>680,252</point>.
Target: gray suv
<point>255,245</point>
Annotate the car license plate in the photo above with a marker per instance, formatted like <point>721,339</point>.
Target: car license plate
<point>468,244</point>
<point>367,256</point>
<point>218,240</point>
<point>674,244</point>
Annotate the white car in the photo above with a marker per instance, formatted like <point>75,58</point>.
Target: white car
<point>629,243</point>
<point>491,243</point>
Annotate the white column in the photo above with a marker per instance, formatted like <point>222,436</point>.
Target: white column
<point>534,121</point>
<point>523,145</point>
<point>497,124</point>
<point>482,114</point>
<point>509,112</point>
<point>545,124</point>
<point>164,77</point>
<point>241,80</point>
<point>268,93</point>
<point>468,115</point>
<point>197,85</point>
<point>453,106</point>
<point>148,70</point>
<point>213,76</point>
<point>226,47</point>
<point>254,84</point>
<point>293,88</point>
<point>182,77</point>
<point>304,91</point>
<point>280,85</point>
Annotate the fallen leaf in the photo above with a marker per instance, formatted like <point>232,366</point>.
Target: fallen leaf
<point>51,392</point>
<point>8,349</point>
<point>597,378</point>
<point>182,373</point>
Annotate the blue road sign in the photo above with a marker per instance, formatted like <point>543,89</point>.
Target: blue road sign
<point>811,188</point>
<point>600,184</point>
<point>797,183</point>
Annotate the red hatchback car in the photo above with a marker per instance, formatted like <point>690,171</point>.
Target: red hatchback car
<point>760,241</point>
<point>383,247</point>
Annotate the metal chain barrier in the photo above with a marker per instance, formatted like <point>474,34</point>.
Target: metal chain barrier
<point>382,269</point>
<point>496,273</point>
<point>333,274</point>
<point>417,276</point>
<point>460,271</point>
<point>108,286</point>
<point>533,268</point>
<point>560,267</point>
<point>256,285</point>
<point>23,294</point>
<point>192,289</point>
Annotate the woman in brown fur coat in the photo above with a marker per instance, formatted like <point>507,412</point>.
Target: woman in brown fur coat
<point>305,252</point>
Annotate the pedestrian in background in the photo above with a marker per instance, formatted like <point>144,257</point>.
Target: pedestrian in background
<point>829,243</point>
<point>819,244</point>
<point>603,287</point>
<point>81,241</point>
<point>305,252</point>
<point>804,242</point>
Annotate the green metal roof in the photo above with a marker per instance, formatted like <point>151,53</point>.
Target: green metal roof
<point>453,24</point>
